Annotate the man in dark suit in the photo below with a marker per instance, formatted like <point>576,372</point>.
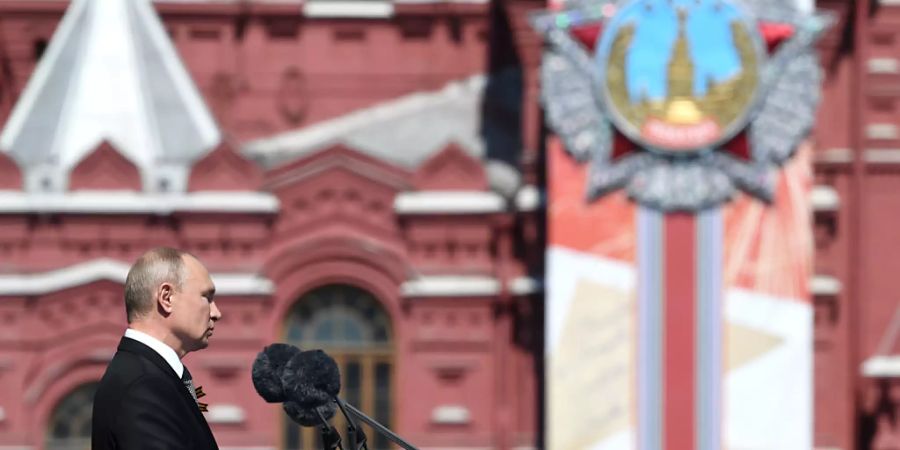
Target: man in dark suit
<point>146,399</point>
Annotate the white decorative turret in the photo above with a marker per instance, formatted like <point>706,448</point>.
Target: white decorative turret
<point>110,73</point>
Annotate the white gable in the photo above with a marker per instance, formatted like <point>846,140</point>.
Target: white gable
<point>110,72</point>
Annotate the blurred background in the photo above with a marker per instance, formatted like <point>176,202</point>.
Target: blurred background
<point>367,177</point>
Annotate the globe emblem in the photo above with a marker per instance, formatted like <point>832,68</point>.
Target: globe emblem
<point>680,76</point>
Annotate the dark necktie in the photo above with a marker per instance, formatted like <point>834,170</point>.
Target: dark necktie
<point>189,383</point>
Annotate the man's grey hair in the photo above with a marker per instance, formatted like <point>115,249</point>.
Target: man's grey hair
<point>157,266</point>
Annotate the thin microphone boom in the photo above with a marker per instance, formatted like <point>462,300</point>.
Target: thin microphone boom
<point>331,439</point>
<point>377,426</point>
<point>307,383</point>
<point>356,437</point>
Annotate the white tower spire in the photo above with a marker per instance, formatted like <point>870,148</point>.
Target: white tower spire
<point>110,73</point>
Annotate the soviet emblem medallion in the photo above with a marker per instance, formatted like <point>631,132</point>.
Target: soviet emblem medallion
<point>680,102</point>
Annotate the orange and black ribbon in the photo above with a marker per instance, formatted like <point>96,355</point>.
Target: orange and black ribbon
<point>201,394</point>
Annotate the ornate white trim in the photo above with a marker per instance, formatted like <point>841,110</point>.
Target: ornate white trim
<point>881,131</point>
<point>834,155</point>
<point>883,65</point>
<point>881,367</point>
<point>450,414</point>
<point>127,202</point>
<point>825,285</point>
<point>227,284</point>
<point>369,9</point>
<point>525,285</point>
<point>466,286</point>
<point>870,155</point>
<point>451,286</point>
<point>527,198</point>
<point>530,198</point>
<point>882,156</point>
<point>225,413</point>
<point>824,198</point>
<point>449,202</point>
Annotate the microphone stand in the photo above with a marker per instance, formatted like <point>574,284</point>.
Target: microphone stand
<point>381,429</point>
<point>331,439</point>
<point>356,437</point>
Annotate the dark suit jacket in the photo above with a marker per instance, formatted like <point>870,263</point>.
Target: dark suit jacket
<point>142,404</point>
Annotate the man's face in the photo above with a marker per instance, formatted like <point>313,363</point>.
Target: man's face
<point>194,311</point>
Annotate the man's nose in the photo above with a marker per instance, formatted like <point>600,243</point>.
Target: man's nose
<point>214,312</point>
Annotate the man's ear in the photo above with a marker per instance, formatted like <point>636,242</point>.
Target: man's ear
<point>164,297</point>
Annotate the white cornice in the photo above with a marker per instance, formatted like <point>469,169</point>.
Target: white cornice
<point>126,202</point>
<point>226,413</point>
<point>227,284</point>
<point>525,285</point>
<point>825,285</point>
<point>466,286</point>
<point>449,202</point>
<point>881,367</point>
<point>530,198</point>
<point>366,9</point>
<point>825,198</point>
<point>241,284</point>
<point>882,156</point>
<point>451,414</point>
<point>883,66</point>
<point>479,285</point>
<point>834,156</point>
<point>451,286</point>
<point>527,198</point>
<point>881,131</point>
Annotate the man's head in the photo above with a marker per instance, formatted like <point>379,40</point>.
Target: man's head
<point>169,294</point>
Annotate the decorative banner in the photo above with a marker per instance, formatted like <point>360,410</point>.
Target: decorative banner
<point>765,401</point>
<point>681,322</point>
<point>590,332</point>
<point>680,102</point>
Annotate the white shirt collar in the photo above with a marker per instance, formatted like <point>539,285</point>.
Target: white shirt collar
<point>159,347</point>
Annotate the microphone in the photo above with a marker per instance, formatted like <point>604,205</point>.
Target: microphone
<point>268,368</point>
<point>312,379</point>
<point>310,400</point>
<point>307,405</point>
<point>355,434</point>
<point>310,417</point>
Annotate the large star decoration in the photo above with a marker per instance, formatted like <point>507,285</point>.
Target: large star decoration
<point>790,80</point>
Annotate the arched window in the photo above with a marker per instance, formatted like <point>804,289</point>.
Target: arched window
<point>70,424</point>
<point>349,324</point>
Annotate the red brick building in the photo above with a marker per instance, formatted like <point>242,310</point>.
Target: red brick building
<point>362,176</point>
<point>351,172</point>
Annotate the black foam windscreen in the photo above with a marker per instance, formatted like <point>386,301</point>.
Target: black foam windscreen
<point>268,370</point>
<point>307,416</point>
<point>311,378</point>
